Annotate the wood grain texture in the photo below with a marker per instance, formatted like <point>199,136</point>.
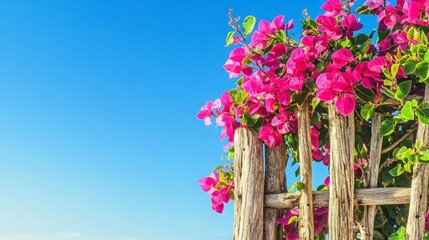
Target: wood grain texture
<point>275,182</point>
<point>419,187</point>
<point>306,218</point>
<point>373,166</point>
<point>363,197</point>
<point>249,186</point>
<point>341,189</point>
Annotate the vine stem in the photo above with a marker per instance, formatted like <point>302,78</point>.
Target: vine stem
<point>391,147</point>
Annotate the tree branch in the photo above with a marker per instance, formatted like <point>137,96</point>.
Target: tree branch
<point>391,147</point>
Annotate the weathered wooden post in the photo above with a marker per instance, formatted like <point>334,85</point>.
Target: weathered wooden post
<point>275,182</point>
<point>306,218</point>
<point>374,164</point>
<point>419,187</point>
<point>341,196</point>
<point>249,186</point>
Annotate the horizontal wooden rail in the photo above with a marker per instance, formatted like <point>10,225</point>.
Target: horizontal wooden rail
<point>363,197</point>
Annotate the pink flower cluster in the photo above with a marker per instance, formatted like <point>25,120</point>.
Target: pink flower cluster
<point>291,225</point>
<point>220,193</point>
<point>405,13</point>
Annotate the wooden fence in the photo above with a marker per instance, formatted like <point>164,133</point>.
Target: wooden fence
<point>261,193</point>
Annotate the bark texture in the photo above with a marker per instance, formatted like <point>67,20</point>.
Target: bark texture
<point>249,186</point>
<point>275,182</point>
<point>363,197</point>
<point>419,187</point>
<point>341,190</point>
<point>306,218</point>
<point>374,164</point>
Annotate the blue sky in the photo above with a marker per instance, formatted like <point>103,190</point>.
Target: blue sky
<point>98,135</point>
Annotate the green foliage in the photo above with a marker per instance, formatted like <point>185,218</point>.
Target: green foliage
<point>248,24</point>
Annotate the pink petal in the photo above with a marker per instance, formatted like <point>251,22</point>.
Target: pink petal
<point>345,104</point>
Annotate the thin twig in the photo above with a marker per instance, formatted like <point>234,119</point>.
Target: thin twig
<point>387,163</point>
<point>391,147</point>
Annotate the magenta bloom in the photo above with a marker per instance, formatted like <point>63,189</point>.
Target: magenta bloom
<point>270,136</point>
<point>342,57</point>
<point>235,66</point>
<point>207,183</point>
<point>374,4</point>
<point>332,7</point>
<point>329,25</point>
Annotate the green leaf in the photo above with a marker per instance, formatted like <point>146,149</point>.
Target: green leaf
<point>300,99</point>
<point>422,112</point>
<point>378,235</point>
<point>249,120</point>
<point>397,171</point>
<point>387,127</point>
<point>362,10</point>
<point>424,155</point>
<point>422,70</point>
<point>365,94</point>
<point>387,73</point>
<point>407,167</point>
<point>281,35</point>
<point>240,96</point>
<point>344,42</point>
<point>315,102</point>
<point>426,57</point>
<point>424,39</point>
<point>360,39</point>
<point>407,111</point>
<point>403,90</point>
<point>248,24</point>
<point>229,38</point>
<point>394,69</point>
<point>401,154</point>
<point>388,92</point>
<point>419,144</point>
<point>367,111</point>
<point>410,67</point>
<point>300,186</point>
<point>387,82</point>
<point>293,219</point>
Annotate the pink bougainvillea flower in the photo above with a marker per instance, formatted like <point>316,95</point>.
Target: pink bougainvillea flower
<point>374,4</point>
<point>218,207</point>
<point>332,7</point>
<point>351,25</point>
<point>329,25</point>
<point>342,57</point>
<point>327,181</point>
<point>235,66</point>
<point>277,24</point>
<point>270,136</point>
<point>345,104</point>
<point>291,229</point>
<point>400,39</point>
<point>427,221</point>
<point>390,16</point>
<point>320,219</point>
<point>357,171</point>
<point>207,183</point>
<point>206,112</point>
<point>236,39</point>
<point>289,25</point>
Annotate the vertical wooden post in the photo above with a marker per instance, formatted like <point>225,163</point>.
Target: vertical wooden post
<point>373,167</point>
<point>249,186</point>
<point>341,196</point>
<point>419,187</point>
<point>306,218</point>
<point>275,182</point>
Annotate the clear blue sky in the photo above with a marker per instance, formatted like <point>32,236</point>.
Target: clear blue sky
<point>98,135</point>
